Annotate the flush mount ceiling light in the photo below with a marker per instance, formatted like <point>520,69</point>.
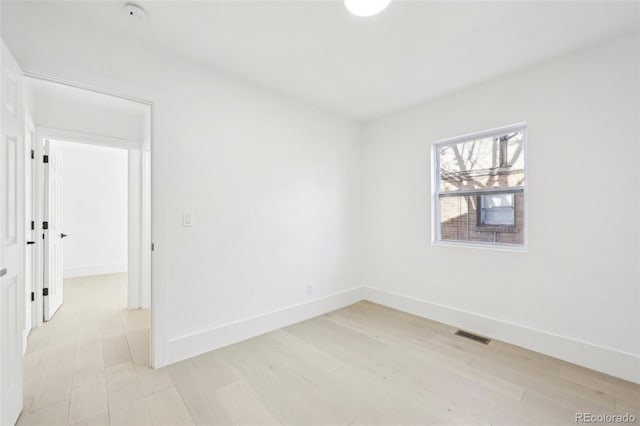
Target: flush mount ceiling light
<point>134,11</point>
<point>366,7</point>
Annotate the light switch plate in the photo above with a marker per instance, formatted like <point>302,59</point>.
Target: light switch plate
<point>186,219</point>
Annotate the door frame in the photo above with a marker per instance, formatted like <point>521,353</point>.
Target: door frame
<point>29,162</point>
<point>135,219</point>
<point>137,194</point>
<point>156,287</point>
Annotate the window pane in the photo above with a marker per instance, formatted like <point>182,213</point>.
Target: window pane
<point>460,220</point>
<point>491,201</point>
<point>498,216</point>
<point>483,163</point>
<point>497,209</point>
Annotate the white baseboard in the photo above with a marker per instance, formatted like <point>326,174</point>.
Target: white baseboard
<point>85,271</point>
<point>192,345</point>
<point>606,360</point>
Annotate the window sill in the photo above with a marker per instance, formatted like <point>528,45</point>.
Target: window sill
<point>482,246</point>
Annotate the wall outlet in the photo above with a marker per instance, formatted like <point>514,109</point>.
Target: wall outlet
<point>309,288</point>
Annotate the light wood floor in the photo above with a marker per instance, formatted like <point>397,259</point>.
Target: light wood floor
<point>365,364</point>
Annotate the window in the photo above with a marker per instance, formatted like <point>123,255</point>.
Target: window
<point>479,188</point>
<point>497,209</point>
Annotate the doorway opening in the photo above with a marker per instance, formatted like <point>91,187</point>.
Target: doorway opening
<point>90,264</point>
<point>86,203</point>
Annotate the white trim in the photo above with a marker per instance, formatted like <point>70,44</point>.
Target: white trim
<point>600,358</point>
<point>527,197</point>
<point>435,199</point>
<point>134,227</point>
<point>517,248</point>
<point>145,232</point>
<point>25,340</point>
<point>29,162</point>
<point>493,190</point>
<point>85,271</point>
<point>436,232</point>
<point>188,346</point>
<point>607,360</point>
<point>38,192</point>
<point>481,134</point>
<point>88,138</point>
<point>52,79</point>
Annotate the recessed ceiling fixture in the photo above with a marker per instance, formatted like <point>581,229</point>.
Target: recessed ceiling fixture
<point>135,11</point>
<point>366,7</point>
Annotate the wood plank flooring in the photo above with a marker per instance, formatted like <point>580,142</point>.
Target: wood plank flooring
<point>361,365</point>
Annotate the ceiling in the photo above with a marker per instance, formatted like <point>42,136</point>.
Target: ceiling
<point>362,68</point>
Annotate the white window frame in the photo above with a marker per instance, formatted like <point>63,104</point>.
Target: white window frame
<point>436,239</point>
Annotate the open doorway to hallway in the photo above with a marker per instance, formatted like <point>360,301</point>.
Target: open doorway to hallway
<point>94,205</point>
<point>91,161</point>
<point>90,286</point>
<point>88,222</point>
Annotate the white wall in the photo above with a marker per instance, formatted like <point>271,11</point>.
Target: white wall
<point>575,293</point>
<point>95,209</point>
<point>61,107</point>
<point>272,185</point>
<point>273,189</point>
<point>62,113</point>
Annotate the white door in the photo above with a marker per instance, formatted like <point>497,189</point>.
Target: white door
<point>11,239</point>
<point>29,227</point>
<point>54,235</point>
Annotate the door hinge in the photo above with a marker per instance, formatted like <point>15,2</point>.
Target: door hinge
<point>45,225</point>
<point>153,247</point>
<point>45,158</point>
<point>45,291</point>
<point>33,296</point>
<point>33,154</point>
<point>33,225</point>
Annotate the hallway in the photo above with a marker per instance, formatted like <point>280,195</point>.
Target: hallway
<point>91,361</point>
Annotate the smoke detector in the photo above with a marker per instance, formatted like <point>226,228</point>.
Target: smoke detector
<point>135,11</point>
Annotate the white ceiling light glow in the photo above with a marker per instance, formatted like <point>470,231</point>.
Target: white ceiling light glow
<point>366,7</point>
